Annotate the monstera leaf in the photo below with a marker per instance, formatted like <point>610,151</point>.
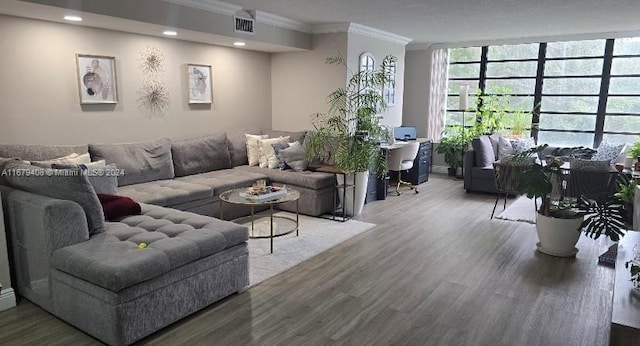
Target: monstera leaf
<point>606,217</point>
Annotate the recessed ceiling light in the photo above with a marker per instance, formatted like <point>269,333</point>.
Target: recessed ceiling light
<point>170,33</point>
<point>73,18</point>
<point>239,44</point>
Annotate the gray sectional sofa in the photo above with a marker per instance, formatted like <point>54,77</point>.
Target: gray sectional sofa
<point>107,286</point>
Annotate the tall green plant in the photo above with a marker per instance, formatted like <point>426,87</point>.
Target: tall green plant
<point>496,112</point>
<point>453,144</point>
<point>350,130</point>
<point>634,151</point>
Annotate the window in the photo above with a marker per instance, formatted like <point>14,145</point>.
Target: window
<point>464,69</point>
<point>389,89</point>
<point>367,62</point>
<point>587,91</point>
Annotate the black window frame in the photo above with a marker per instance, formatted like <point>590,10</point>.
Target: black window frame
<point>538,93</point>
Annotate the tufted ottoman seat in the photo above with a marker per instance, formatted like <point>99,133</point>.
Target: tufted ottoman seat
<point>190,261</point>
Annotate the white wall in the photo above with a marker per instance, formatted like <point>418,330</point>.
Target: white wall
<point>301,82</point>
<point>416,89</point>
<point>379,49</point>
<point>39,102</point>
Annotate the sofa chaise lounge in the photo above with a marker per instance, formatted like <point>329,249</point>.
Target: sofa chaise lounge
<point>104,283</point>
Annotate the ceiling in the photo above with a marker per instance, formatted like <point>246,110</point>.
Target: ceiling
<point>424,21</point>
<point>444,21</point>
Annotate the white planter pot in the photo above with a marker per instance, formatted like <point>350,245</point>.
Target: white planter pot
<point>362,179</point>
<point>558,237</point>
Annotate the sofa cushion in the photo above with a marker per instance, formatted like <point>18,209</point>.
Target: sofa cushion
<point>3,163</point>
<point>277,148</point>
<point>114,261</point>
<point>221,181</point>
<point>495,140</point>
<point>522,144</point>
<point>268,158</point>
<point>237,142</point>
<point>198,155</point>
<point>253,148</point>
<point>308,179</point>
<point>141,162</point>
<point>295,157</point>
<point>165,192</point>
<point>71,159</point>
<point>103,178</point>
<point>484,151</point>
<point>298,136</point>
<point>504,148</point>
<point>69,184</point>
<point>115,207</point>
<point>608,151</point>
<point>483,173</point>
<point>40,152</point>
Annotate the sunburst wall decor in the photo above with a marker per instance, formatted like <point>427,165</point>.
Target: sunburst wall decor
<point>151,61</point>
<point>153,97</point>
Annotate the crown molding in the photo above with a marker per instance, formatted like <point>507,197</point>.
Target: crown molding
<point>230,9</point>
<point>209,5</point>
<point>359,29</point>
<point>330,28</point>
<point>418,46</point>
<point>282,22</point>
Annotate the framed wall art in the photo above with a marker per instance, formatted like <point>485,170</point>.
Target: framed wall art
<point>200,83</point>
<point>96,79</point>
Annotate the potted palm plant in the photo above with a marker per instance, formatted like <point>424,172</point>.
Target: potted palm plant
<point>350,131</point>
<point>558,225</point>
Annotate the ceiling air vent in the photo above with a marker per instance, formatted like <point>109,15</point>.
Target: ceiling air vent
<point>244,25</point>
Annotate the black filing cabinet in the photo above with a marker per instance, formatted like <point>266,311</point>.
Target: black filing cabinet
<point>421,165</point>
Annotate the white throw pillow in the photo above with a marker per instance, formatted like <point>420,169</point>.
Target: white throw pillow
<point>524,144</point>
<point>71,159</point>
<point>504,148</point>
<point>253,148</point>
<point>268,157</point>
<point>608,151</point>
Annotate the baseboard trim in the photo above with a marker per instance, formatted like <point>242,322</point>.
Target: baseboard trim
<point>440,169</point>
<point>7,299</point>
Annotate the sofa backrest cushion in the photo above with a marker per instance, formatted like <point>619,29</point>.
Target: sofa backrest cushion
<point>294,135</point>
<point>199,155</point>
<point>102,177</point>
<point>71,159</point>
<point>484,151</point>
<point>505,148</point>
<point>237,142</point>
<point>140,162</point>
<point>40,152</point>
<point>495,141</point>
<point>61,184</point>
<point>4,161</point>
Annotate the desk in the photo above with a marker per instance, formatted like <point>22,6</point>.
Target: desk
<point>422,163</point>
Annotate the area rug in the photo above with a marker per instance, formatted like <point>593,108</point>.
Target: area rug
<point>522,210</point>
<point>316,235</point>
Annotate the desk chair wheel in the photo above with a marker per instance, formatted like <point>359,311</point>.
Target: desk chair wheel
<point>417,190</point>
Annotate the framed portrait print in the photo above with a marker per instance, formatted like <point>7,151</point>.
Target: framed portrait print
<point>96,79</point>
<point>200,83</point>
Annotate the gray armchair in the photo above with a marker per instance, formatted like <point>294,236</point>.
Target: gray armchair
<point>479,176</point>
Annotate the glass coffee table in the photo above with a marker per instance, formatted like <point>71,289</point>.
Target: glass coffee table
<point>264,224</point>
